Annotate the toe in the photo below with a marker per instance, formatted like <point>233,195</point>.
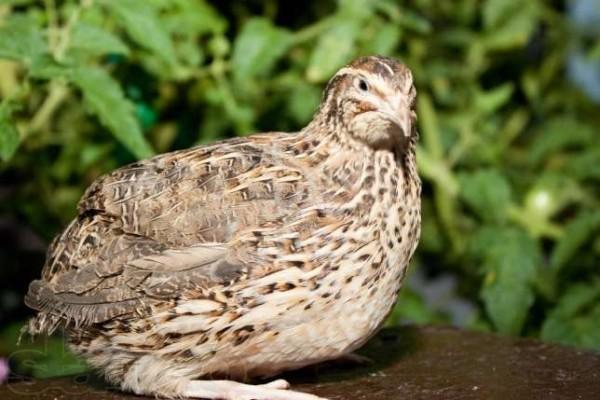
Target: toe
<point>231,390</point>
<point>277,384</point>
<point>249,392</point>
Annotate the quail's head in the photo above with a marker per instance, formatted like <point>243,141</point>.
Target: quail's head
<point>373,100</point>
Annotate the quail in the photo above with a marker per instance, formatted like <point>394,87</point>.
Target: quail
<point>187,274</point>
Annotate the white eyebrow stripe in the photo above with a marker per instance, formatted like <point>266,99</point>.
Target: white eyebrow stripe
<point>354,71</point>
<point>348,70</point>
<point>375,79</point>
<point>387,66</point>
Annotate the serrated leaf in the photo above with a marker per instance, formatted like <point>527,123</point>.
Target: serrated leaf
<point>140,20</point>
<point>510,261</point>
<point>487,192</point>
<point>583,227</point>
<point>94,40</point>
<point>333,50</point>
<point>9,135</point>
<point>258,46</point>
<point>105,99</point>
<point>21,39</point>
<point>576,318</point>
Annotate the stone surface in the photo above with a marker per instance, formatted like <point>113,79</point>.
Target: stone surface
<point>410,363</point>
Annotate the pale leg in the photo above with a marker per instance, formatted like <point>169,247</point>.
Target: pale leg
<point>231,390</point>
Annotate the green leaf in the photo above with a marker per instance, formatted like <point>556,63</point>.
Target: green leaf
<point>487,192</point>
<point>429,126</point>
<point>560,133</point>
<point>509,23</point>
<point>9,135</point>
<point>585,164</point>
<point>140,20</point>
<point>356,8</point>
<point>21,39</point>
<point>411,307</point>
<point>334,49</point>
<point>104,97</point>
<point>432,238</point>
<point>576,318</point>
<point>577,232</point>
<point>194,17</point>
<point>495,12</point>
<point>415,22</point>
<point>46,67</point>
<point>258,47</point>
<point>490,101</point>
<point>385,40</point>
<point>510,261</point>
<point>303,101</point>
<point>16,2</point>
<point>94,40</point>
<point>594,52</point>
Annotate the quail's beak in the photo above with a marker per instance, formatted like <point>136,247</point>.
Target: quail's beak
<point>398,114</point>
<point>394,109</point>
<point>403,124</point>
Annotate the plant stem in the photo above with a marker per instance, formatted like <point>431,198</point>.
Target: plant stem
<point>65,35</point>
<point>58,92</point>
<point>58,41</point>
<point>53,31</point>
<point>313,30</point>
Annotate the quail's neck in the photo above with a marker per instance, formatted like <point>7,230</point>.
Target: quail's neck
<point>348,167</point>
<point>322,137</point>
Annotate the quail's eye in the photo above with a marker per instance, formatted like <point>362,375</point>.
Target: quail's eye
<point>363,85</point>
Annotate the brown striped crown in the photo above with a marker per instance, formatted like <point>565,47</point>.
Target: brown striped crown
<point>372,100</point>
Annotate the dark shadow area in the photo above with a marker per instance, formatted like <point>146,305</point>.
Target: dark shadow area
<point>385,349</point>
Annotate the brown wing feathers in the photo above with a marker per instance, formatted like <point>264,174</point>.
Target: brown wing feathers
<point>156,228</point>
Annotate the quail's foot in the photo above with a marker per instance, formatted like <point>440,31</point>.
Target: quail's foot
<point>231,390</point>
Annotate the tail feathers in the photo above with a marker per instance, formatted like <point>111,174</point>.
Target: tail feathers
<point>45,322</point>
<point>56,309</point>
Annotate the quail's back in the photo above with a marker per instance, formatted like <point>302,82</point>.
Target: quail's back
<point>247,257</point>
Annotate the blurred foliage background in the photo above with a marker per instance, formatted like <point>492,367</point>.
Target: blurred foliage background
<point>508,109</point>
